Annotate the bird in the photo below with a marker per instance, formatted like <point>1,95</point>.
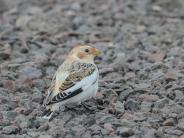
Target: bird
<point>75,81</point>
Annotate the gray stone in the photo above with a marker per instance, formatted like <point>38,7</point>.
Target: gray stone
<point>75,6</point>
<point>69,136</point>
<point>22,21</point>
<point>175,51</point>
<point>30,72</point>
<point>10,130</point>
<point>148,97</point>
<point>33,10</point>
<point>119,62</point>
<point>10,115</point>
<point>169,122</point>
<point>5,122</point>
<point>33,134</point>
<point>124,132</point>
<point>178,95</point>
<point>86,135</point>
<point>161,103</point>
<point>181,124</point>
<point>37,97</point>
<point>27,104</point>
<point>3,6</point>
<point>140,116</point>
<point>119,107</point>
<point>173,131</point>
<point>26,123</point>
<point>40,58</point>
<point>95,129</point>
<point>149,133</point>
<point>146,106</point>
<point>124,94</point>
<point>84,29</point>
<point>58,131</point>
<point>142,86</point>
<point>45,136</point>
<point>125,123</point>
<point>132,105</point>
<point>4,56</point>
<point>160,134</point>
<point>77,21</point>
<point>43,127</point>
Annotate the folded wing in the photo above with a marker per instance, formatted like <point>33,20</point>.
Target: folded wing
<point>81,76</point>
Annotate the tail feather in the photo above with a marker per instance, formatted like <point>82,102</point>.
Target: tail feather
<point>48,114</point>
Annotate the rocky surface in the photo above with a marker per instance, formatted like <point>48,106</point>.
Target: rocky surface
<point>141,70</point>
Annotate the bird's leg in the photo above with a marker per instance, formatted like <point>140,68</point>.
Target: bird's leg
<point>52,116</point>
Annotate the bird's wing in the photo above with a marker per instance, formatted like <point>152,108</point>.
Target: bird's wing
<point>81,76</point>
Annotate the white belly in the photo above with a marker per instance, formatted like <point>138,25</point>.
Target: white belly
<point>85,95</point>
<point>89,93</point>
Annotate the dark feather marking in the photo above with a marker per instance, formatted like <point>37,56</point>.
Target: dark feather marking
<point>61,95</point>
<point>57,98</point>
<point>64,94</point>
<point>66,86</point>
<point>74,93</point>
<point>77,73</point>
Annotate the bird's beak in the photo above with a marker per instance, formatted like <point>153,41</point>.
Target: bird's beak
<point>97,52</point>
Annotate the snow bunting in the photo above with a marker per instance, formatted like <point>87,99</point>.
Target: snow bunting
<point>75,81</point>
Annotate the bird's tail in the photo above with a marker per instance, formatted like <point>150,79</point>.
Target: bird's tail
<point>48,114</point>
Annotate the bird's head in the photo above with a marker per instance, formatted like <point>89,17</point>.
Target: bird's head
<point>84,53</point>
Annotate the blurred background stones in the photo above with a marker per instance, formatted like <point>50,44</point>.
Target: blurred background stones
<point>141,69</point>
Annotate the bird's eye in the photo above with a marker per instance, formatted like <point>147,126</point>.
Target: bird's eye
<point>86,50</point>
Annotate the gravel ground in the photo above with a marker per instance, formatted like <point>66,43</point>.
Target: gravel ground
<point>141,69</point>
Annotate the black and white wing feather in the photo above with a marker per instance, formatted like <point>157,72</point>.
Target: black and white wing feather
<point>81,76</point>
